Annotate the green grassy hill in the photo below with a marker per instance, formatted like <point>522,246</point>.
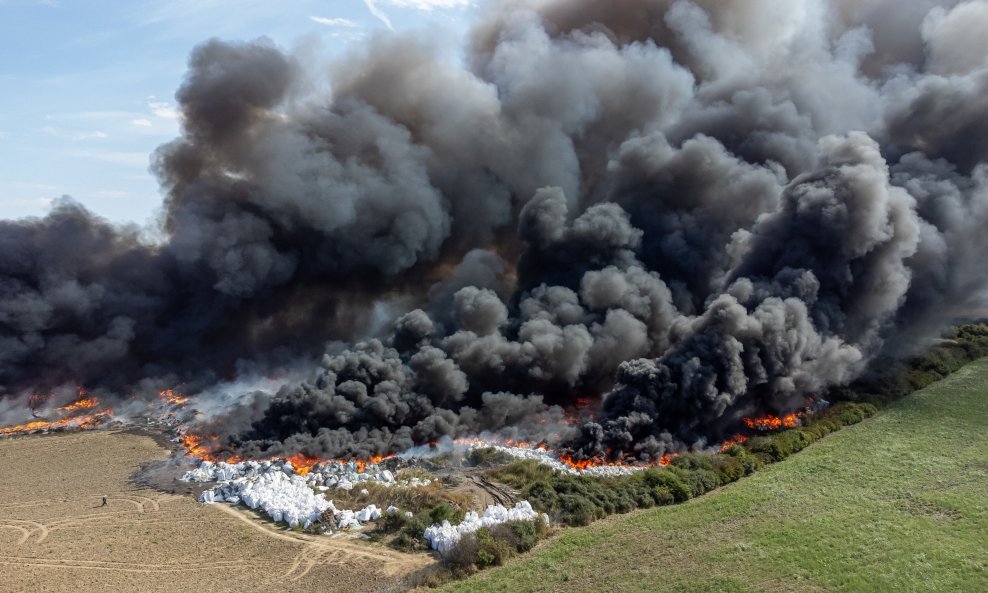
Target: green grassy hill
<point>897,503</point>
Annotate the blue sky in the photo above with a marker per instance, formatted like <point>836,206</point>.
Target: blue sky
<point>86,86</point>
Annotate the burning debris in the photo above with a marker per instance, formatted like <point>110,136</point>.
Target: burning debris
<point>694,214</point>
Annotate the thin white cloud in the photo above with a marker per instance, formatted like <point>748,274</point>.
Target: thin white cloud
<point>61,133</point>
<point>428,4</point>
<point>378,13</point>
<point>130,159</point>
<point>3,135</point>
<point>110,193</point>
<point>141,122</point>
<point>162,109</point>
<point>322,20</point>
<point>97,135</point>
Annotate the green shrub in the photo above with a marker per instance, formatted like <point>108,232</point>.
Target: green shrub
<point>488,456</point>
<point>393,522</point>
<point>776,447</point>
<point>662,496</point>
<point>868,410</point>
<point>692,461</point>
<point>699,481</point>
<point>521,473</point>
<point>522,535</point>
<point>491,551</point>
<point>542,495</point>
<point>445,512</point>
<point>728,468</point>
<point>919,379</point>
<point>462,558</point>
<point>847,413</point>
<point>663,478</point>
<point>578,510</point>
<point>411,529</point>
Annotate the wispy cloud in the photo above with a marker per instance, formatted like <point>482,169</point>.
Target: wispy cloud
<point>97,135</point>
<point>141,122</point>
<point>130,159</point>
<point>428,4</point>
<point>83,135</point>
<point>322,20</point>
<point>162,109</point>
<point>378,13</point>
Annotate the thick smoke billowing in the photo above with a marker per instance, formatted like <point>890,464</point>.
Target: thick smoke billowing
<point>697,210</point>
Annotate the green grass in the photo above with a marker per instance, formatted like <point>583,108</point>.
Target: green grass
<point>898,503</point>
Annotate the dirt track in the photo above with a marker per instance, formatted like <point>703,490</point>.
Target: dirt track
<point>55,536</point>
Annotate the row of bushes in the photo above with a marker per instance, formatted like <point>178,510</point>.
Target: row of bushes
<point>895,379</point>
<point>579,500</point>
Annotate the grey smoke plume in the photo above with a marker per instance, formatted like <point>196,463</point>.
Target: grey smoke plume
<point>691,210</point>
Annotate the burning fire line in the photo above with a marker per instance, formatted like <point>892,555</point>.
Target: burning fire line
<point>771,422</point>
<point>88,421</point>
<point>208,449</point>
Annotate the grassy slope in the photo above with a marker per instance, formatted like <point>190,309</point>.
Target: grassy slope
<point>897,503</point>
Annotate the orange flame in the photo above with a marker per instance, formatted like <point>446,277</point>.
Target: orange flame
<point>171,397</point>
<point>86,422</point>
<point>302,463</point>
<point>738,439</point>
<point>770,422</point>
<point>601,461</point>
<point>84,403</point>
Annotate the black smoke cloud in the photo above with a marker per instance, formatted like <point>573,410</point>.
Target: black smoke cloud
<point>695,210</point>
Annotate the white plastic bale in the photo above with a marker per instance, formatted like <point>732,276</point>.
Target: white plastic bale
<point>444,536</point>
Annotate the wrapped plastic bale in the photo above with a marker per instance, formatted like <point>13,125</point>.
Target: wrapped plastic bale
<point>444,536</point>
<point>283,498</point>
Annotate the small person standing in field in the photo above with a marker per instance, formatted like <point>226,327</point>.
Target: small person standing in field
<point>104,501</point>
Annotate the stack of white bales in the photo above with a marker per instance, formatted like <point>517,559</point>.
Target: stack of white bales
<point>283,498</point>
<point>443,537</point>
<point>332,474</point>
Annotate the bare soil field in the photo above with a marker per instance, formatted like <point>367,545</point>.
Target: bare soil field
<point>55,535</point>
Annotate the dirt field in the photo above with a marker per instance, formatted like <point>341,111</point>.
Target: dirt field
<point>55,535</point>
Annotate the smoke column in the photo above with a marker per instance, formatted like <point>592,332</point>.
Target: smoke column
<point>689,210</point>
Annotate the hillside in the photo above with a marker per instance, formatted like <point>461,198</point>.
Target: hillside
<point>897,503</point>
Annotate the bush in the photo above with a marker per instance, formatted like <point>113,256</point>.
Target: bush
<point>729,469</point>
<point>522,535</point>
<point>847,413</point>
<point>662,496</point>
<point>445,512</point>
<point>692,461</point>
<point>488,456</point>
<point>411,529</point>
<point>521,473</point>
<point>393,522</point>
<point>542,495</point>
<point>491,551</point>
<point>699,481</point>
<point>578,510</point>
<point>462,558</point>
<point>673,484</point>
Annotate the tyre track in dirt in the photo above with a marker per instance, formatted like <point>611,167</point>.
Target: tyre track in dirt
<point>138,567</point>
<point>147,540</point>
<point>390,560</point>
